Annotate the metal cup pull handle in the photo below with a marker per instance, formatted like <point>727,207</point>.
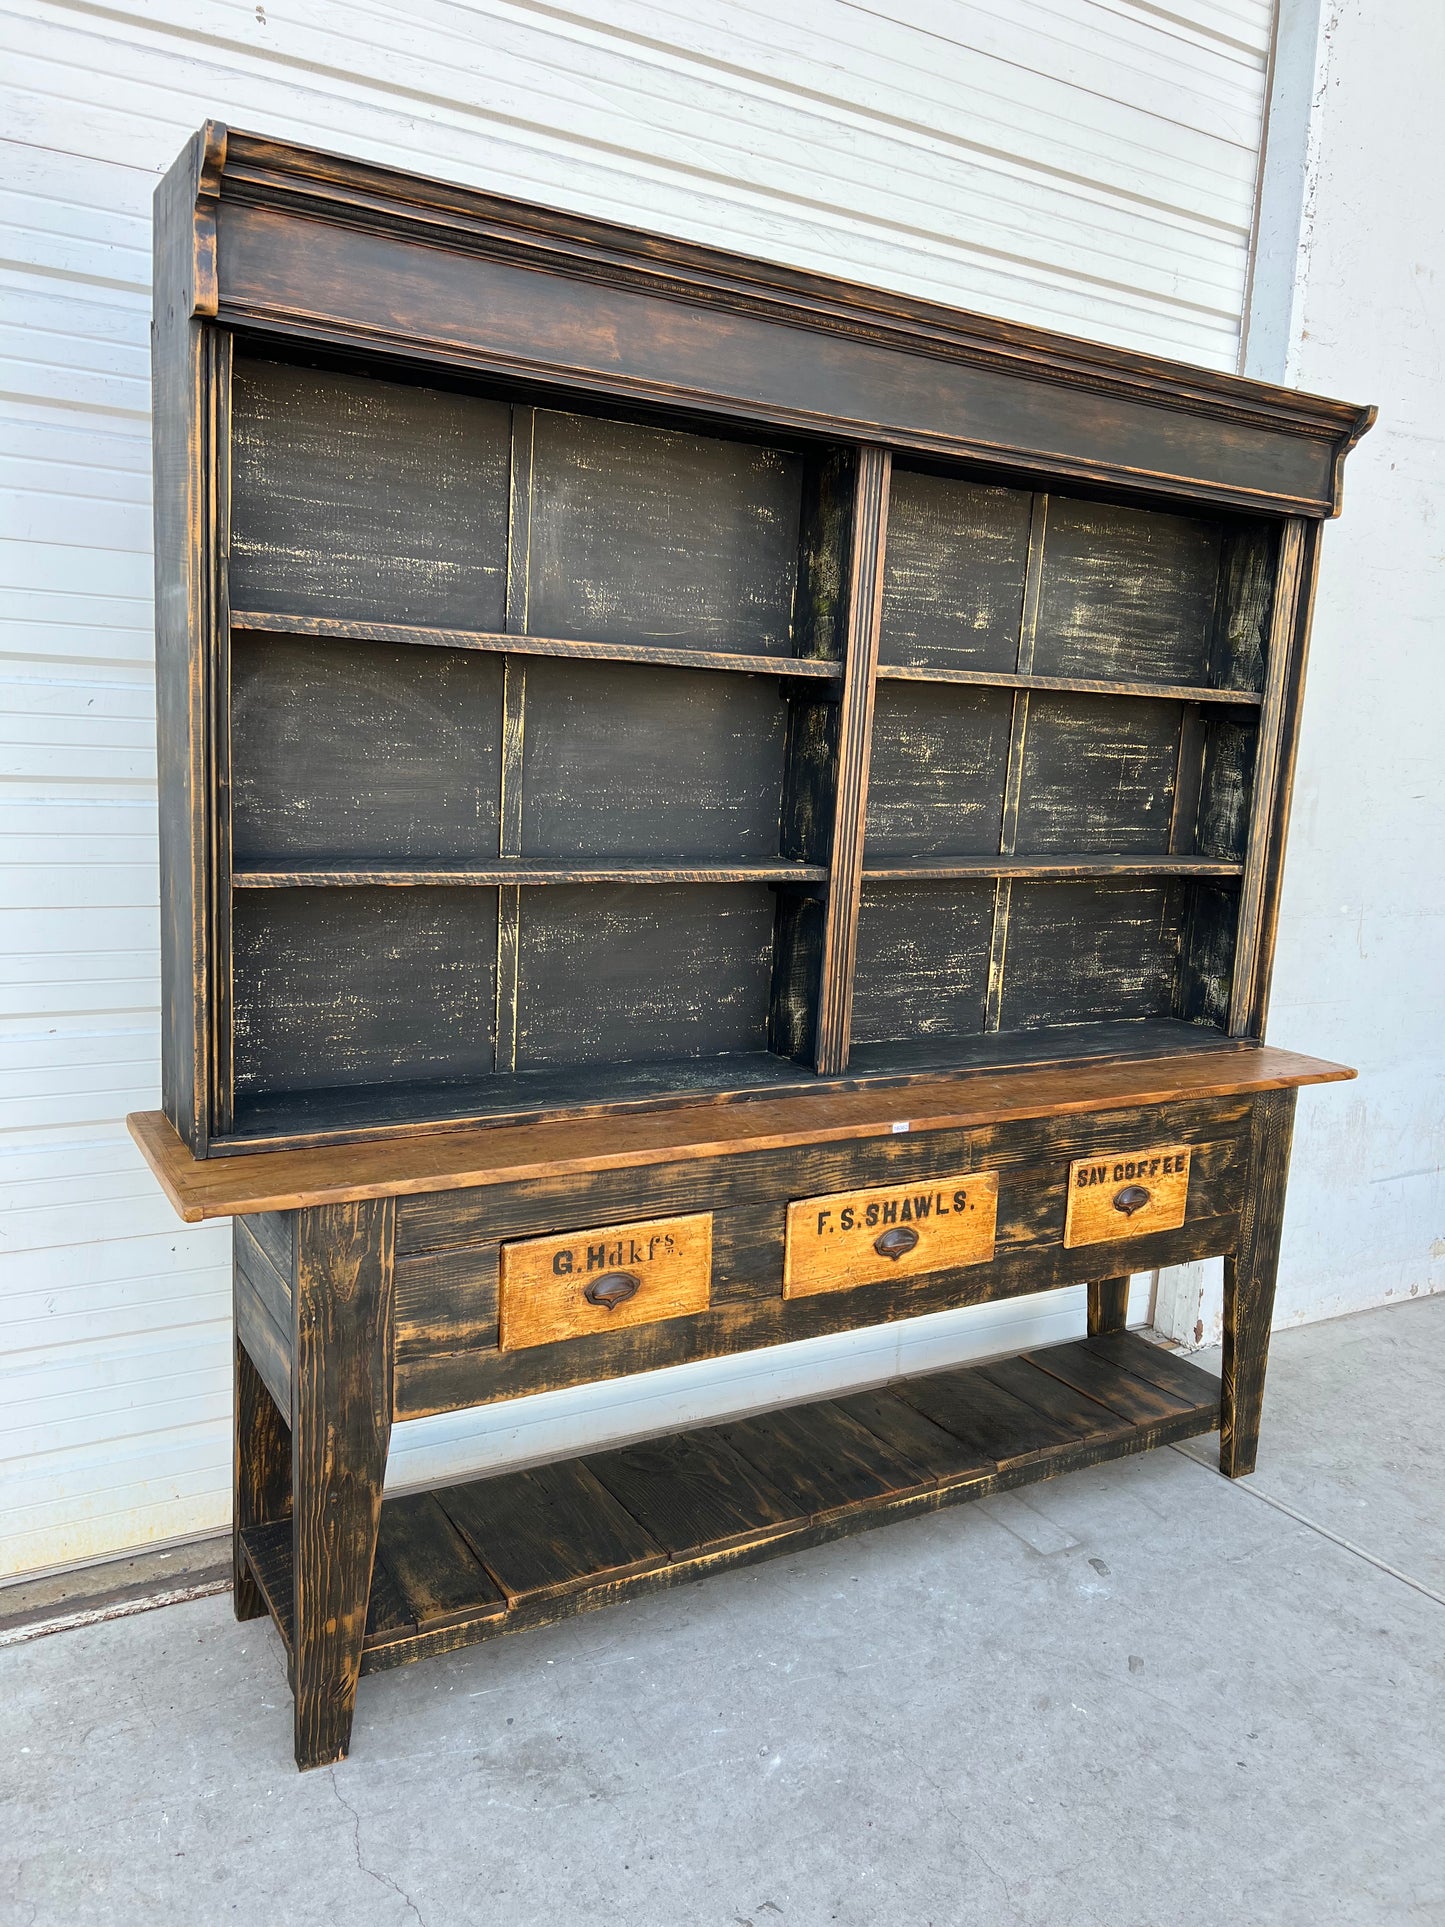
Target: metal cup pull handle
<point>896,1243</point>
<point>1131,1199</point>
<point>614,1288</point>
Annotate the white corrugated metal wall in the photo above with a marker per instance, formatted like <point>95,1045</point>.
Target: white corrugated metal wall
<point>1086,164</point>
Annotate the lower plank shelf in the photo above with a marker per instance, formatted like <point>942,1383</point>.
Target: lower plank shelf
<point>497,1555</point>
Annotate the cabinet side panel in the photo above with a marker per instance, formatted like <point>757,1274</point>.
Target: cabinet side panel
<point>179,362</point>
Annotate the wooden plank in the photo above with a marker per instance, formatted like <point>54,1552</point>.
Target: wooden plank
<point>536,873</point>
<point>985,1417</point>
<point>864,600</point>
<point>548,1531</point>
<point>1084,1417</point>
<point>821,1458</point>
<point>436,1575</point>
<point>1136,1399</point>
<point>1076,685</point>
<point>604,1279</point>
<point>693,1491</point>
<point>626,975</point>
<point>657,534</point>
<point>461,1159</point>
<point>1097,774</point>
<point>937,1453</point>
<point>504,642</point>
<point>718,1514</point>
<point>1166,1369</point>
<point>1060,865</point>
<point>922,966</point>
<point>261,1275</point>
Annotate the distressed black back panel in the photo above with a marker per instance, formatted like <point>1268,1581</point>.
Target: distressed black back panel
<point>1082,953</point>
<point>308,719</point>
<point>362,986</point>
<point>1126,592</point>
<point>365,499</point>
<point>939,757</point>
<point>922,961</point>
<point>622,760</point>
<point>644,534</point>
<point>1098,774</point>
<point>953,583</point>
<point>643,973</point>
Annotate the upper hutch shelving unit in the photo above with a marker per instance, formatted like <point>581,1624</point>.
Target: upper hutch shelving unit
<point>596,670</point>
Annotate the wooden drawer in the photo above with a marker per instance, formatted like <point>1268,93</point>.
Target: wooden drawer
<point>890,1231</point>
<point>602,1280</point>
<point>1127,1194</point>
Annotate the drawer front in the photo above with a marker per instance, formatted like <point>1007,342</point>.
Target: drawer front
<point>603,1280</point>
<point>892,1231</point>
<point>1127,1194</point>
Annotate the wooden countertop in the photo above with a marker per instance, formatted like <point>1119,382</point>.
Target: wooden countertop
<point>458,1160</point>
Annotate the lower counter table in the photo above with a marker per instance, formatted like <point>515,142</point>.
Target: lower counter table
<point>395,1279</point>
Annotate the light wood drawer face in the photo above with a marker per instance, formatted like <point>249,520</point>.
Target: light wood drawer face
<point>605,1279</point>
<point>894,1231</point>
<point>1127,1194</point>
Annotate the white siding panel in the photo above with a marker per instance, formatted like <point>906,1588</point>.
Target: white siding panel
<point>1085,164</point>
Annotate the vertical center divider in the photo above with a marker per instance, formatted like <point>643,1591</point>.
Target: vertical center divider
<point>868,539</point>
<point>1008,828</point>
<point>514,711</point>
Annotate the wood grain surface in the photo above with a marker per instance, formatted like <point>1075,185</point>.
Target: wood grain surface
<point>462,1159</point>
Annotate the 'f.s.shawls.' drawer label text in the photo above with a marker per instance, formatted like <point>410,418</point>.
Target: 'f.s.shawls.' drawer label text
<point>893,1231</point>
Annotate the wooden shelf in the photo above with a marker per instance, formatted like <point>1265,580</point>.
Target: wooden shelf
<point>526,872</point>
<point>498,1555</point>
<point>928,869</point>
<point>1073,685</point>
<point>677,656</point>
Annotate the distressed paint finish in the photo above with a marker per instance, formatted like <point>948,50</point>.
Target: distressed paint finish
<point>1249,1276</point>
<point>358,497</point>
<point>340,1430</point>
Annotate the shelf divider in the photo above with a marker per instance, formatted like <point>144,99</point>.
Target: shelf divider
<point>864,609</point>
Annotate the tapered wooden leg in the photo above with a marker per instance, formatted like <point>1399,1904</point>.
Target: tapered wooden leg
<point>260,1475</point>
<point>1108,1306</point>
<point>1249,1283</point>
<point>341,1425</point>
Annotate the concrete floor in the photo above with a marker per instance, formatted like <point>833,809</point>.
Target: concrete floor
<point>1137,1697</point>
